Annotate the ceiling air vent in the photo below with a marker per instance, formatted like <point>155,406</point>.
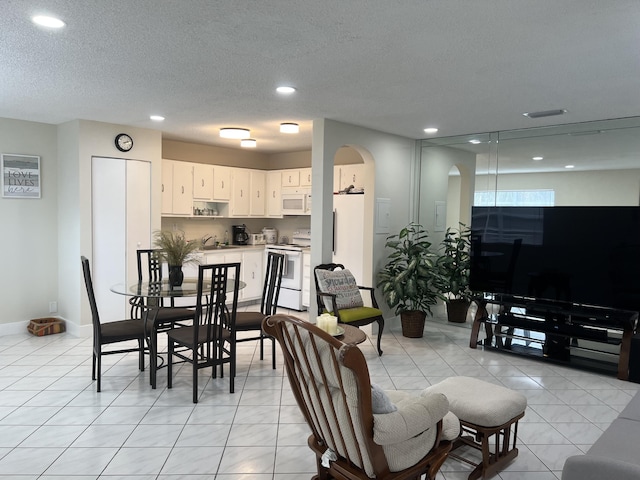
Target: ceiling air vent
<point>545,113</point>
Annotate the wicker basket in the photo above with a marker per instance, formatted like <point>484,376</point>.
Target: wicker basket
<point>412,323</point>
<point>45,326</point>
<point>457,310</point>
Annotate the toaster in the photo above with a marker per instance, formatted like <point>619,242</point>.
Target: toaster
<point>257,239</point>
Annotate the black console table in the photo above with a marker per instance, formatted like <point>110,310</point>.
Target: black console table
<point>591,337</point>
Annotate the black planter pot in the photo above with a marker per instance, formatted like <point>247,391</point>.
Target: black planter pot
<point>457,310</point>
<point>176,276</point>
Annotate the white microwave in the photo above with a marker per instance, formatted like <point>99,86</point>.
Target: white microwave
<point>296,203</point>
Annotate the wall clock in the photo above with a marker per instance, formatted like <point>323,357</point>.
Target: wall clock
<point>124,142</point>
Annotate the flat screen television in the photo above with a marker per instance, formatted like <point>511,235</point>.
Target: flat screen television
<point>567,255</point>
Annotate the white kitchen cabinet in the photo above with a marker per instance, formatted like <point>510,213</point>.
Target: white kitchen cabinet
<point>167,187</point>
<point>121,224</point>
<point>352,175</point>
<point>252,274</point>
<point>257,202</point>
<point>306,279</point>
<point>239,204</point>
<point>182,188</point>
<point>274,194</point>
<point>202,181</point>
<point>305,177</point>
<point>291,177</point>
<point>221,183</point>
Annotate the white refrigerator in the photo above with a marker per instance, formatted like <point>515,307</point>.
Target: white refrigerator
<point>348,233</point>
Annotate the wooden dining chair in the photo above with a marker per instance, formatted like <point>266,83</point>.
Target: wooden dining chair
<point>211,340</point>
<point>337,293</point>
<point>110,332</point>
<point>252,321</point>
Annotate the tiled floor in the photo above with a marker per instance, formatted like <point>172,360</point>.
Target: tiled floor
<point>54,425</point>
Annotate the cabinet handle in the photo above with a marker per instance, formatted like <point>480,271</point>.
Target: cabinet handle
<point>163,187</point>
<point>241,194</point>
<point>354,178</point>
<point>289,178</point>
<point>258,193</point>
<point>202,182</point>
<point>222,183</point>
<point>182,189</point>
<point>273,194</point>
<point>253,275</point>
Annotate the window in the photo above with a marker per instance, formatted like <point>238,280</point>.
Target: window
<point>514,198</point>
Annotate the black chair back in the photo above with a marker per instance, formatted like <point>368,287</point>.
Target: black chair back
<point>153,261</point>
<point>272,282</point>
<point>324,266</point>
<point>95,317</point>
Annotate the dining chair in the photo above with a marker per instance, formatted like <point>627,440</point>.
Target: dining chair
<point>110,332</point>
<point>358,430</point>
<point>337,293</point>
<point>252,321</point>
<point>211,340</point>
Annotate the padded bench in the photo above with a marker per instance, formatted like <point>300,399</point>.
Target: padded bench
<point>488,414</point>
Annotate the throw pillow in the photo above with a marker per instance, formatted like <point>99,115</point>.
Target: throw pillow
<point>343,284</point>
<point>380,401</point>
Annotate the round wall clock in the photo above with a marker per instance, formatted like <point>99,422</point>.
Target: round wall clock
<point>124,142</point>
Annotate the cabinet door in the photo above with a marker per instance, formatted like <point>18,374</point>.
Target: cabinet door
<point>252,274</point>
<point>167,187</point>
<point>291,178</point>
<point>202,181</point>
<point>274,194</point>
<point>351,175</point>
<point>182,188</point>
<point>257,204</point>
<point>305,177</point>
<point>239,203</point>
<point>221,183</point>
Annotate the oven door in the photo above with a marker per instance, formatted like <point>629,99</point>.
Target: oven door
<point>292,273</point>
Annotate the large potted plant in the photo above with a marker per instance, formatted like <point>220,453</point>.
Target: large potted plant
<point>454,264</point>
<point>409,279</point>
<point>176,250</point>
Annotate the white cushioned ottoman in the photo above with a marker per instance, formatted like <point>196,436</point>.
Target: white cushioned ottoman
<point>485,410</point>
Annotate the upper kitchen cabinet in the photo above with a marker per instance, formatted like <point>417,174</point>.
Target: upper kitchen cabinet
<point>305,177</point>
<point>221,183</point>
<point>257,202</point>
<point>177,188</point>
<point>274,194</point>
<point>239,204</point>
<point>291,178</point>
<point>202,181</point>
<point>352,175</point>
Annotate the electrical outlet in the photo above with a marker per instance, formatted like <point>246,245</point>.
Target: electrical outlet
<point>53,307</point>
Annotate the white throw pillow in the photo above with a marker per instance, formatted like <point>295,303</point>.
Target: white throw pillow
<point>343,284</point>
<point>380,401</point>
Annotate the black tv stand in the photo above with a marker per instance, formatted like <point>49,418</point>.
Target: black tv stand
<point>584,336</point>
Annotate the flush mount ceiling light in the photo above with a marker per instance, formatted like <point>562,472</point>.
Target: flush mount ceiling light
<point>46,21</point>
<point>545,113</point>
<point>475,142</point>
<point>248,143</point>
<point>285,90</point>
<point>289,128</point>
<point>156,118</point>
<point>430,130</point>
<point>569,166</point>
<point>537,158</point>
<point>234,132</point>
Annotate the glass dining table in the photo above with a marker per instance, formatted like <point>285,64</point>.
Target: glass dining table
<point>152,296</point>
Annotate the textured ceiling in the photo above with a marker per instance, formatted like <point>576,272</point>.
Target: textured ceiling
<point>464,66</point>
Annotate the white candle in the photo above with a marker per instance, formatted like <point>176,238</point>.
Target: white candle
<point>320,322</point>
<point>332,324</point>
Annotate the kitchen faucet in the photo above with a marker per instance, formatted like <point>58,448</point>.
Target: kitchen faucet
<point>205,239</point>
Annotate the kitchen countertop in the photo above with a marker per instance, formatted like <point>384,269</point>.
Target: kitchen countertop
<point>231,248</point>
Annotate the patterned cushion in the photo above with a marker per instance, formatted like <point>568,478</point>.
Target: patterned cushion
<point>343,284</point>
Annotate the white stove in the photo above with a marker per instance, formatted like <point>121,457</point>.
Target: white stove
<point>291,287</point>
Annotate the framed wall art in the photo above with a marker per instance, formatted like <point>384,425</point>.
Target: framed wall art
<point>20,176</point>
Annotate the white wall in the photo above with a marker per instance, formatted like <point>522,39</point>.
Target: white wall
<point>29,230</point>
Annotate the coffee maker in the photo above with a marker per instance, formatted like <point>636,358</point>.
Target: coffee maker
<point>240,235</point>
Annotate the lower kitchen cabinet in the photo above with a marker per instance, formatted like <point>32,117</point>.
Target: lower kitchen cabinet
<point>306,279</point>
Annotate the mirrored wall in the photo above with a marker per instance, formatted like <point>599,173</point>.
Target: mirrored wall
<point>592,163</point>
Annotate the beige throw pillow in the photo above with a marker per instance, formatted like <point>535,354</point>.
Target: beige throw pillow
<point>343,284</point>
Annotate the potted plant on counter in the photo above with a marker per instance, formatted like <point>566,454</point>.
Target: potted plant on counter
<point>176,250</point>
<point>454,264</point>
<point>409,279</point>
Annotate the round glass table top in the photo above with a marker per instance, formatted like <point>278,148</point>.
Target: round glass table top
<point>189,288</point>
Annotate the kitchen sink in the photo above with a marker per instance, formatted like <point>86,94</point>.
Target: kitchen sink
<point>220,247</point>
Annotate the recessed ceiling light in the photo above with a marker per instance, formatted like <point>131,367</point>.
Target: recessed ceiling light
<point>545,113</point>
<point>286,90</point>
<point>46,21</point>
<point>430,130</point>
<point>537,158</point>
<point>569,166</point>
<point>235,132</point>
<point>156,118</point>
<point>248,143</point>
<point>289,128</point>
<point>475,142</point>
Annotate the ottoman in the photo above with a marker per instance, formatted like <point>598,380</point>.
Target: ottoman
<point>488,416</point>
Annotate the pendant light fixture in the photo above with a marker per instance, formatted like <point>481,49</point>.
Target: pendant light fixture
<point>289,127</point>
<point>235,132</point>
